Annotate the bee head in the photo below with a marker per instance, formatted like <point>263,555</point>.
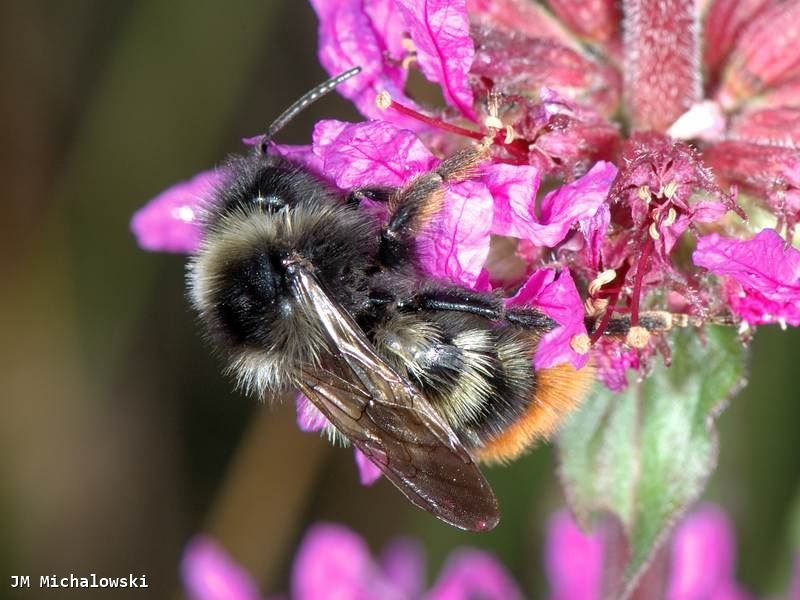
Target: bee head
<point>266,210</point>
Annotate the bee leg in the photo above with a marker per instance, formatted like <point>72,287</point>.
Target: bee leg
<point>483,305</point>
<point>414,204</point>
<point>375,194</point>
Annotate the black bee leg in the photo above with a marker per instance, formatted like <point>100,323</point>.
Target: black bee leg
<point>413,205</point>
<point>475,303</point>
<point>376,194</point>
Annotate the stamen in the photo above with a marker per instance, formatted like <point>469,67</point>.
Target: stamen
<point>670,189</point>
<point>408,44</point>
<point>493,122</point>
<point>511,135</point>
<point>595,306</point>
<point>654,232</point>
<point>580,343</point>
<point>672,215</point>
<point>637,337</point>
<point>644,194</point>
<point>384,101</point>
<point>408,61</point>
<point>602,279</point>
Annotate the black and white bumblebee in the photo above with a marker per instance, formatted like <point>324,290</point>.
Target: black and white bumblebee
<point>299,288</point>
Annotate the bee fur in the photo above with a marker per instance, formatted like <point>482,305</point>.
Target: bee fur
<point>470,356</point>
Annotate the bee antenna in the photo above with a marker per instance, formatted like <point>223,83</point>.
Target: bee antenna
<point>301,103</point>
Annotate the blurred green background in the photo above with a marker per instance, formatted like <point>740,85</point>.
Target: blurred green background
<point>119,437</point>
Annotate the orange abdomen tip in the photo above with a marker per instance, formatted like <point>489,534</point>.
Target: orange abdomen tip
<point>559,390</point>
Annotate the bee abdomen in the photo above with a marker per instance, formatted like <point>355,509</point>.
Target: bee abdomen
<point>480,378</point>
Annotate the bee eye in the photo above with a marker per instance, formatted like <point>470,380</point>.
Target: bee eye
<point>271,203</point>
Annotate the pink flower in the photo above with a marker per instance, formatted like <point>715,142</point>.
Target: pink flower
<point>373,153</point>
<point>379,35</point>
<point>559,300</point>
<point>439,30</point>
<point>702,556</point>
<point>614,215</point>
<point>171,222</point>
<point>208,573</point>
<point>334,562</point>
<point>763,275</point>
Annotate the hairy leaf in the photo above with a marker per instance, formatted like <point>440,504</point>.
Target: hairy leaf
<point>645,455</point>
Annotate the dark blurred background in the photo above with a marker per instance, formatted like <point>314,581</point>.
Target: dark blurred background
<point>119,437</point>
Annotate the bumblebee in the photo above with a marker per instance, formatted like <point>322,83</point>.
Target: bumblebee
<point>299,288</point>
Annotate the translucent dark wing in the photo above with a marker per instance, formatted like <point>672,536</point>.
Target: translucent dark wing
<point>389,420</point>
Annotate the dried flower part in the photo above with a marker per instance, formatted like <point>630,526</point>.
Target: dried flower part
<point>660,183</point>
<point>520,16</point>
<point>596,20</point>
<point>767,54</point>
<point>724,24</point>
<point>771,173</point>
<point>562,137</point>
<point>613,360</point>
<point>771,126</point>
<point>522,65</point>
<point>782,95</point>
<point>766,269</point>
<point>661,55</point>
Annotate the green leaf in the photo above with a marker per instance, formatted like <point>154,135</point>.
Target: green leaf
<point>645,455</point>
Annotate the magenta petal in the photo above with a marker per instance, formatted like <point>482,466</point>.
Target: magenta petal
<point>528,293</point>
<point>766,268</point>
<point>332,562</point>
<point>403,563</point>
<point>559,300</point>
<point>302,155</point>
<point>170,222</point>
<point>573,561</point>
<point>309,417</point>
<point>703,554</point>
<point>574,202</point>
<point>513,188</point>
<point>473,574</point>
<point>455,244</point>
<point>368,471</point>
<point>208,573</point>
<point>440,32</point>
<point>348,37</point>
<point>375,153</point>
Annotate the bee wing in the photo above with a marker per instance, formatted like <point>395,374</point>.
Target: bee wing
<point>389,420</point>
